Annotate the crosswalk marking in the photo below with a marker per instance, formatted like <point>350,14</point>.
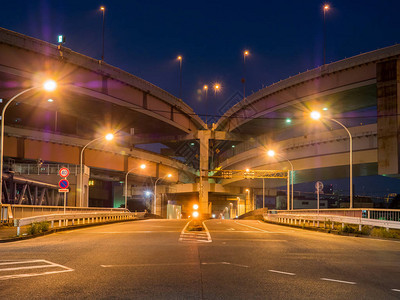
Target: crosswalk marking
<point>22,267</point>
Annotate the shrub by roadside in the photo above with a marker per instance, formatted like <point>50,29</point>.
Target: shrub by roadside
<point>38,227</point>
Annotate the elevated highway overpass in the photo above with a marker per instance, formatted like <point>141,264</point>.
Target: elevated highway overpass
<point>95,97</point>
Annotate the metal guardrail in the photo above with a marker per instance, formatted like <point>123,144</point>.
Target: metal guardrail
<point>298,219</point>
<point>9,212</point>
<point>366,213</point>
<point>77,218</point>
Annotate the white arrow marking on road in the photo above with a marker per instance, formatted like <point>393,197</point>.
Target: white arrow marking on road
<point>340,281</point>
<point>395,290</point>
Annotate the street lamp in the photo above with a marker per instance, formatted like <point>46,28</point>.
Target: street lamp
<point>103,9</point>
<point>108,137</point>
<point>245,54</point>
<point>325,8</point>
<point>217,88</point>
<point>316,115</point>
<point>155,192</point>
<point>179,58</point>
<point>205,88</point>
<point>271,153</point>
<point>142,166</point>
<point>48,85</point>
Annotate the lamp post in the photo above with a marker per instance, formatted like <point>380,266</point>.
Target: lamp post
<point>49,85</point>
<point>245,200</point>
<point>103,9</point>
<point>245,54</point>
<point>143,166</point>
<point>155,192</point>
<point>325,8</point>
<point>205,88</point>
<point>179,58</point>
<point>316,115</point>
<point>108,137</point>
<point>271,153</point>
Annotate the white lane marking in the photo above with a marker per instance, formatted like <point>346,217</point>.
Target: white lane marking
<point>231,229</point>
<point>20,262</point>
<point>224,263</point>
<point>281,272</point>
<point>208,233</point>
<point>340,281</point>
<point>253,240</point>
<point>395,290</point>
<point>32,274</point>
<point>252,227</point>
<point>48,265</point>
<point>147,265</point>
<point>27,268</point>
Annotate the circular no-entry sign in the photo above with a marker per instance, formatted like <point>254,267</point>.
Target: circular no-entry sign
<point>64,172</point>
<point>63,183</point>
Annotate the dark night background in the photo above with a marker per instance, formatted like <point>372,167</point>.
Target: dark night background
<point>145,37</point>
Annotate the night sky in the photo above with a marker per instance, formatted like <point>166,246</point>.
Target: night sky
<point>145,37</point>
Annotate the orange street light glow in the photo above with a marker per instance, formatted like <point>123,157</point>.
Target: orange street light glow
<point>50,85</point>
<point>246,52</point>
<point>326,7</point>
<point>143,166</point>
<point>179,57</point>
<point>315,115</point>
<point>102,8</point>
<point>205,87</point>
<point>271,153</point>
<point>109,136</point>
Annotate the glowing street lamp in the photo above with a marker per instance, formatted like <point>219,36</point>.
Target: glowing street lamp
<point>205,88</point>
<point>271,153</point>
<point>107,137</point>
<point>48,85</point>
<point>217,88</point>
<point>155,192</point>
<point>179,58</point>
<point>103,9</point>
<point>245,54</point>
<point>142,166</point>
<point>325,9</point>
<point>316,116</point>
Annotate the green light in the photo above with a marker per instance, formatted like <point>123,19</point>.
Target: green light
<point>191,144</point>
<point>233,146</point>
<point>288,120</point>
<point>325,108</point>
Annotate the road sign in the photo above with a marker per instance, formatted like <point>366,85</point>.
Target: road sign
<point>64,172</point>
<point>63,183</point>
<point>319,186</point>
<point>63,190</point>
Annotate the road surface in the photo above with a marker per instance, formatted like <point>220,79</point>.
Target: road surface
<point>235,259</point>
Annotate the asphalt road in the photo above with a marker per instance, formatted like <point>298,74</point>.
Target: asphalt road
<point>236,260</point>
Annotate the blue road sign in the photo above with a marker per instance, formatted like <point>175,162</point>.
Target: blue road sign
<point>63,183</point>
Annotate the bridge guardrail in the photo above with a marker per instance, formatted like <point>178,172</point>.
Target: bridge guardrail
<point>77,218</point>
<point>297,219</point>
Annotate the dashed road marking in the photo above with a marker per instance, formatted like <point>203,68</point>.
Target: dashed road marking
<point>224,263</point>
<point>13,266</point>
<point>340,281</point>
<point>281,272</point>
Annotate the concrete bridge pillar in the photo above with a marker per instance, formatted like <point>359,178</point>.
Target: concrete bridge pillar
<point>204,137</point>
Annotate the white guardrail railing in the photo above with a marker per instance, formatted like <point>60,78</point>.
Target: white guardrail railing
<point>77,218</point>
<point>298,219</point>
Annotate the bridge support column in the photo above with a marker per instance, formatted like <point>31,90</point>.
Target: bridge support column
<point>204,137</point>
